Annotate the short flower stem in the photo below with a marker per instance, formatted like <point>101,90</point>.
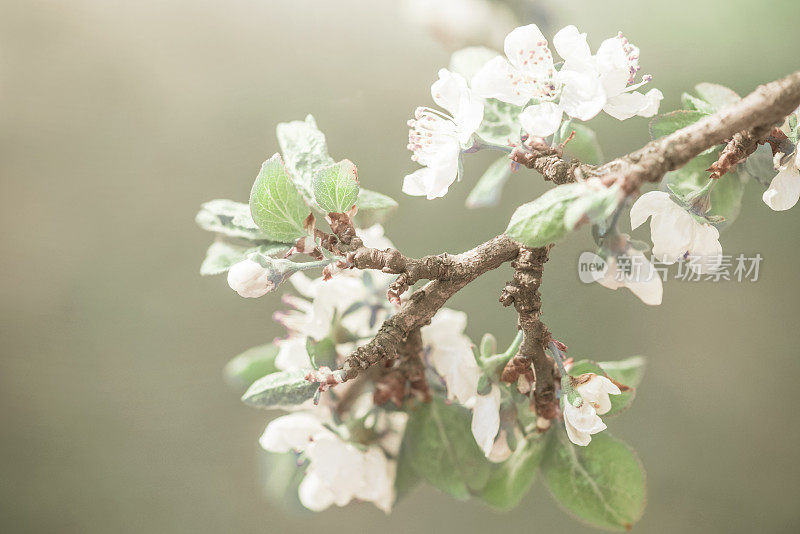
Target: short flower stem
<point>558,356</point>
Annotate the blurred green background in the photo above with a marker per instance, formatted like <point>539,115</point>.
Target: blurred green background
<point>118,118</point>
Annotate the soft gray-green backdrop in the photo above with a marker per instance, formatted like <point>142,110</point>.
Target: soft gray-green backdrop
<point>118,118</point>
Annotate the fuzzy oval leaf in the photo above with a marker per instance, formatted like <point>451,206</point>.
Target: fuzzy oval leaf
<point>221,255</point>
<point>277,208</point>
<point>229,218</point>
<point>671,122</point>
<point>442,450</point>
<point>540,222</point>
<point>336,187</point>
<point>512,479</point>
<point>373,208</point>
<point>306,151</point>
<point>718,96</point>
<point>602,483</point>
<point>252,364</point>
<point>277,390</point>
<point>629,371</point>
<point>486,192</point>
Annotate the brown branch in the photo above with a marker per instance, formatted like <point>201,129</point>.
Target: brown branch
<point>407,376</point>
<point>423,304</point>
<point>752,117</point>
<point>523,293</point>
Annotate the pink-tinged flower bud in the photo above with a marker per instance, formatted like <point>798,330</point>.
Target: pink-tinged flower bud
<point>250,279</point>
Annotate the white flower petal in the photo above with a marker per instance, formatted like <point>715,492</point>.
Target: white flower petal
<point>706,249</point>
<point>523,42</point>
<point>447,90</point>
<point>646,205</point>
<point>572,46</point>
<point>468,116</point>
<point>291,432</point>
<point>784,189</point>
<point>583,95</point>
<point>541,120</point>
<point>314,494</point>
<point>486,419</point>
<point>292,354</point>
<point>494,80</point>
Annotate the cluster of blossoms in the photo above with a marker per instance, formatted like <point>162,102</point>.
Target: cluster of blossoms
<point>527,78</point>
<point>350,441</point>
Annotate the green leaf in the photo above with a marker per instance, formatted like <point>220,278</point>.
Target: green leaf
<point>281,389</point>
<point>406,478</point>
<point>629,371</point>
<point>726,197</point>
<point>692,103</point>
<point>322,353</point>
<point>281,475</point>
<point>486,192</point>
<point>592,206</point>
<point>663,125</point>
<point>442,450</point>
<point>621,402</point>
<point>468,61</point>
<point>718,96</point>
<point>229,218</point>
<point>373,208</point>
<point>221,255</point>
<point>760,165</point>
<point>336,187</point>
<point>305,151</point>
<point>602,483</point>
<point>584,146</point>
<point>514,477</point>
<point>251,365</point>
<point>277,208</point>
<point>500,122</point>
<point>540,222</point>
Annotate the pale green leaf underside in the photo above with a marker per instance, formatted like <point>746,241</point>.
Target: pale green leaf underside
<point>229,218</point>
<point>486,192</point>
<point>602,483</point>
<point>584,146</point>
<point>541,221</point>
<point>281,389</point>
<point>277,208</point>
<point>305,151</point>
<point>336,187</point>
<point>373,208</point>
<point>251,365</point>
<point>668,123</point>
<point>442,450</point>
<point>221,255</point>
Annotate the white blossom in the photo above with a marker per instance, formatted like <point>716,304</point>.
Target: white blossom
<point>676,233</point>
<point>338,470</point>
<point>486,419</point>
<point>437,139</point>
<point>583,421</point>
<point>614,66</point>
<point>250,279</point>
<point>784,189</point>
<point>638,275</point>
<point>450,354</point>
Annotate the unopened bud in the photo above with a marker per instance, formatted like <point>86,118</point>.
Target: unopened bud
<point>250,279</point>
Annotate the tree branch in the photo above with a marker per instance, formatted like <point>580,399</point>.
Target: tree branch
<point>753,117</point>
<point>523,293</point>
<point>423,304</point>
<point>744,124</point>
